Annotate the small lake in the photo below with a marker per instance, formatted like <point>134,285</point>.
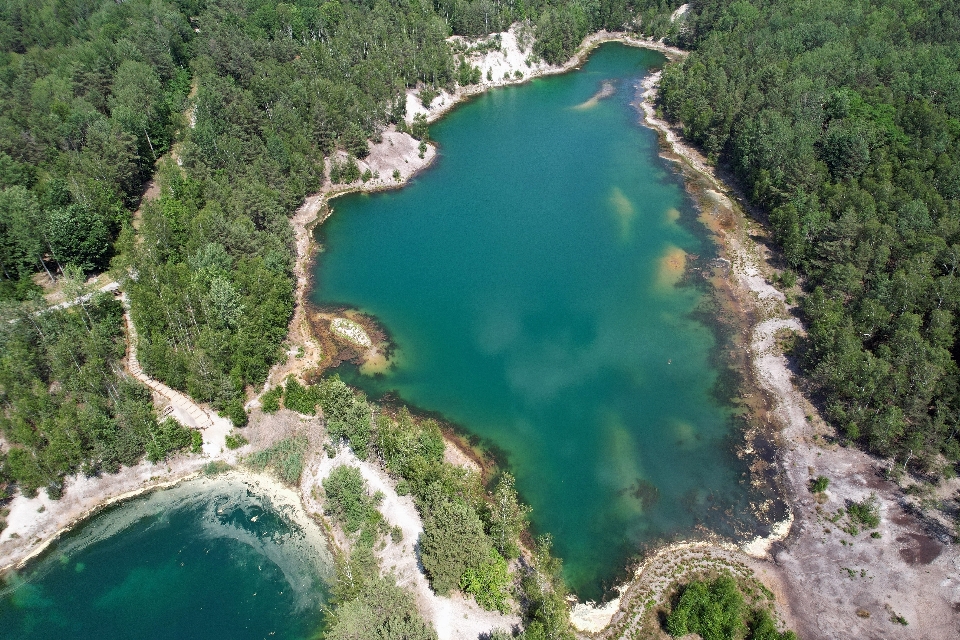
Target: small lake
<point>211,558</point>
<point>533,281</point>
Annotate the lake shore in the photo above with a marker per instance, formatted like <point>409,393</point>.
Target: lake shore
<point>828,582</point>
<point>910,573</point>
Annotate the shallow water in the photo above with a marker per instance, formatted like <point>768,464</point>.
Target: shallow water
<point>532,282</point>
<point>212,558</point>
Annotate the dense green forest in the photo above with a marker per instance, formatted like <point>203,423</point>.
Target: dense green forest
<point>66,404</point>
<point>841,122</point>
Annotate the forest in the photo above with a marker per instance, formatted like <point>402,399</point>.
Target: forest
<point>840,122</point>
<point>94,99</point>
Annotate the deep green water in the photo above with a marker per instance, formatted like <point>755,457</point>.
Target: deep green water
<point>207,559</point>
<point>522,279</point>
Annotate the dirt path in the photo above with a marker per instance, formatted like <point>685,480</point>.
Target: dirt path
<point>835,584</point>
<point>454,618</point>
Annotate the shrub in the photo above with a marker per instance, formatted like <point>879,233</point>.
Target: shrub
<point>762,627</point>
<point>714,610</point>
<point>270,400</point>
<point>237,414</point>
<point>347,414</point>
<point>419,129</point>
<point>216,468</point>
<point>866,512</point>
<point>235,441</point>
<point>488,582</point>
<point>347,499</point>
<point>167,437</point>
<point>299,398</point>
<point>819,484</point>
<point>452,541</point>
<point>285,458</point>
<point>196,442</point>
<point>380,609</point>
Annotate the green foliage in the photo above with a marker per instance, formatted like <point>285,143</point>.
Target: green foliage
<point>507,517</point>
<point>68,406</point>
<point>488,583</point>
<point>301,399</point>
<point>763,627</point>
<point>196,442</point>
<point>347,414</point>
<point>285,458</point>
<point>380,609</point>
<point>237,414</point>
<point>270,401</point>
<point>414,452</point>
<point>819,484</point>
<point>167,437</point>
<point>344,172</point>
<point>348,501</point>
<point>235,441</point>
<point>90,95</point>
<point>866,512</point>
<point>452,541</point>
<point>714,610</point>
<point>419,129</point>
<point>837,120</point>
<point>216,468</point>
<point>546,613</point>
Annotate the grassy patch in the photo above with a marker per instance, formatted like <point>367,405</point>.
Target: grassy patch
<point>285,458</point>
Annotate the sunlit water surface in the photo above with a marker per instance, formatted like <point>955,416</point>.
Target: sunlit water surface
<point>212,558</point>
<point>531,280</point>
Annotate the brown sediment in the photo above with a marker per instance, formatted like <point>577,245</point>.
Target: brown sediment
<point>671,267</point>
<point>820,573</point>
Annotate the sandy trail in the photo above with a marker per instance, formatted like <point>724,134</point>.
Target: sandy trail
<point>833,584</point>
<point>455,617</point>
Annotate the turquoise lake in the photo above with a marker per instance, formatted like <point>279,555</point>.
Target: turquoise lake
<point>531,280</point>
<point>208,559</point>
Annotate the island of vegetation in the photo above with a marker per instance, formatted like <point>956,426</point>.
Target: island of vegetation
<point>168,146</point>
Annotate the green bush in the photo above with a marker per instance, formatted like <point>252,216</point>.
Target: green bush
<point>866,512</point>
<point>299,398</point>
<point>237,414</point>
<point>763,627</point>
<point>347,414</point>
<point>270,400</point>
<point>167,437</point>
<point>452,541</point>
<point>380,609</point>
<point>235,441</point>
<point>506,517</point>
<point>819,484</point>
<point>488,583</point>
<point>714,610</point>
<point>196,442</point>
<point>216,468</point>
<point>285,458</point>
<point>348,501</point>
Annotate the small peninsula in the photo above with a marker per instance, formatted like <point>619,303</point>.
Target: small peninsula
<point>226,233</point>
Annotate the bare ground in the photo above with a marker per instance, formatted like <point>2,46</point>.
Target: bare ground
<point>829,583</point>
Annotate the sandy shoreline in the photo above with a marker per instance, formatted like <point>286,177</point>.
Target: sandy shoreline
<point>909,572</point>
<point>828,584</point>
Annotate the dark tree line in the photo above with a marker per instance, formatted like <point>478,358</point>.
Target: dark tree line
<point>65,403</point>
<point>90,94</point>
<point>842,122</point>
